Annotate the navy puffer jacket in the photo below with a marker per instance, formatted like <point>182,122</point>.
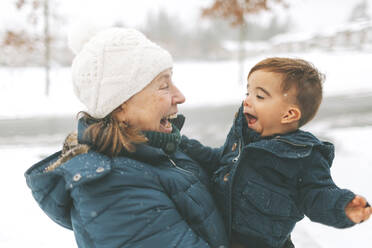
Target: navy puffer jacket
<point>265,185</point>
<point>149,199</point>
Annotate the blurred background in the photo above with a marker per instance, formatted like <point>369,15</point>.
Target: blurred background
<point>214,44</point>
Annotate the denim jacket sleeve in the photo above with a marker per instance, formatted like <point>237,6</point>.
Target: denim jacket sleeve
<point>322,201</point>
<point>208,157</point>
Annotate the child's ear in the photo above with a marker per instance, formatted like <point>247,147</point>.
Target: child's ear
<point>293,114</point>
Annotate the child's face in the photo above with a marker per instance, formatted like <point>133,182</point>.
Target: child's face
<point>266,107</point>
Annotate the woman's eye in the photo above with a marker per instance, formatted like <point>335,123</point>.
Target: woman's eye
<point>260,97</point>
<point>164,86</point>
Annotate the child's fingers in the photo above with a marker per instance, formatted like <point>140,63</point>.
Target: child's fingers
<point>358,209</point>
<point>366,213</point>
<point>359,201</point>
<point>369,209</point>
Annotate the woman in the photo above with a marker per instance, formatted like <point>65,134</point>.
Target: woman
<point>121,181</point>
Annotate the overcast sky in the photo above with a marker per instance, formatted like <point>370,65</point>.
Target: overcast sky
<point>307,15</point>
<point>132,12</point>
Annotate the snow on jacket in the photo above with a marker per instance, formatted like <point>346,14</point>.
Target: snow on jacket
<point>147,199</point>
<point>264,185</point>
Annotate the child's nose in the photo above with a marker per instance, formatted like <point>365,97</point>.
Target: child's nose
<point>246,101</point>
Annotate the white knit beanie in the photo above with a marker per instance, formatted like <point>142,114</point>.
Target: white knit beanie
<point>112,65</point>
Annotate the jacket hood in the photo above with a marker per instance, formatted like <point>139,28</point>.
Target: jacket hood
<point>51,189</point>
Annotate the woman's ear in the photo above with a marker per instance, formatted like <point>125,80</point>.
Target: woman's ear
<point>292,115</point>
<point>119,113</point>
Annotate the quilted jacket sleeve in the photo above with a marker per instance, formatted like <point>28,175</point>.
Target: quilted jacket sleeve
<point>322,201</point>
<point>208,157</point>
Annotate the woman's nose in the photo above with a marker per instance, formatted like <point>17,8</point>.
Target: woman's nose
<point>178,97</point>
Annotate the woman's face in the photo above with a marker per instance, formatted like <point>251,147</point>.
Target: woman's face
<point>151,108</point>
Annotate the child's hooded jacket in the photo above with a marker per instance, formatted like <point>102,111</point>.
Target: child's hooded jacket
<point>264,185</point>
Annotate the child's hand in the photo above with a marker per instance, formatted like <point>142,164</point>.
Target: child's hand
<point>358,210</point>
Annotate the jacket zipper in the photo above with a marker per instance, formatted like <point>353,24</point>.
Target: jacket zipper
<point>240,149</point>
<point>177,167</point>
<point>234,160</point>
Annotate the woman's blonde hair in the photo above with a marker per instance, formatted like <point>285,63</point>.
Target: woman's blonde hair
<point>110,136</point>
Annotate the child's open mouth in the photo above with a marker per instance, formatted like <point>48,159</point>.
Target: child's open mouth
<point>251,119</point>
<point>165,123</point>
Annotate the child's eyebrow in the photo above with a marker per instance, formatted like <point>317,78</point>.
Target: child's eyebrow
<point>264,91</point>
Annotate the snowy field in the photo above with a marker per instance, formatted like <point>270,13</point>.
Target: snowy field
<point>23,224</point>
<point>203,83</point>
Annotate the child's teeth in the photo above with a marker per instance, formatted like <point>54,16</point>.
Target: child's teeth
<point>172,116</point>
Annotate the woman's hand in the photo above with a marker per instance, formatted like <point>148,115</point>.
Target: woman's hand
<point>358,210</point>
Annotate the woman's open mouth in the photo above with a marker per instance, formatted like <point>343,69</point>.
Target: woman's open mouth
<point>165,122</point>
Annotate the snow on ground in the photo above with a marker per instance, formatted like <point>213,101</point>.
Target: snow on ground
<point>23,224</point>
<point>203,83</point>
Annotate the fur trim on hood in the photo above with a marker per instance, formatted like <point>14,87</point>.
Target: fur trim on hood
<point>71,148</point>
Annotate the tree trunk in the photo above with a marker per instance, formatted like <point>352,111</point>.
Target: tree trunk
<point>47,47</point>
<point>241,54</point>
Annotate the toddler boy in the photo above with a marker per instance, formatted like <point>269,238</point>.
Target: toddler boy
<point>269,173</point>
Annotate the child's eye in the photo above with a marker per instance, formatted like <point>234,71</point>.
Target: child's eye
<point>247,94</point>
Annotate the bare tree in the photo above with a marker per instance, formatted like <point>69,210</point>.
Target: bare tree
<point>47,46</point>
<point>236,11</point>
<point>38,11</point>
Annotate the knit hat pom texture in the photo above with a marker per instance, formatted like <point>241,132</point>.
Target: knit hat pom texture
<point>79,35</point>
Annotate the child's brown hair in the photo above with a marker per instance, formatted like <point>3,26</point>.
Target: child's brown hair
<point>300,74</point>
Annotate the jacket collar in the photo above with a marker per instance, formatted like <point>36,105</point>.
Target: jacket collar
<point>241,129</point>
<point>296,144</point>
<point>82,126</point>
<point>144,152</point>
